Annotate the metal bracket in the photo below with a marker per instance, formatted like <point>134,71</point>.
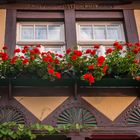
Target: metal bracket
<point>10,89</point>
<point>75,90</point>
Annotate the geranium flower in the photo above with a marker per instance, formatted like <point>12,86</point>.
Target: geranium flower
<point>25,61</point>
<point>17,50</point>
<point>74,57</point>
<point>77,52</point>
<point>51,71</point>
<point>91,67</point>
<point>96,46</point>
<point>105,68</point>
<point>58,75</point>
<point>100,60</point>
<point>13,60</point>
<point>89,77</point>
<point>109,50</point>
<point>68,51</point>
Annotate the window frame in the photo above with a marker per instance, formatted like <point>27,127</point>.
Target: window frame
<point>39,41</point>
<point>80,41</point>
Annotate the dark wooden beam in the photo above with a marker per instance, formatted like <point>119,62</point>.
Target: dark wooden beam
<point>70,28</point>
<point>68,91</point>
<point>130,26</point>
<point>40,15</point>
<point>98,15</point>
<point>10,32</point>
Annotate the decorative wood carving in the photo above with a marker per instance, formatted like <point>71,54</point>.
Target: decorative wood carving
<point>11,114</point>
<point>12,110</point>
<point>76,105</point>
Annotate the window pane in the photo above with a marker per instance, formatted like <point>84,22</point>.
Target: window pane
<point>54,32</point>
<point>86,32</point>
<point>41,32</point>
<point>99,32</point>
<point>113,32</point>
<point>27,32</point>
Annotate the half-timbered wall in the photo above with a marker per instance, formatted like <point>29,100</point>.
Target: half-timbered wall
<point>110,111</point>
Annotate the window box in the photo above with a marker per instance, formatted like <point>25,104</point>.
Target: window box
<point>105,82</point>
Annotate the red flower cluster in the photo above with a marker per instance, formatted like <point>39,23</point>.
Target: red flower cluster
<point>100,60</point>
<point>75,54</point>
<point>91,67</point>
<point>89,51</point>
<point>118,46</point>
<point>109,50</point>
<point>89,77</point>
<point>4,56</point>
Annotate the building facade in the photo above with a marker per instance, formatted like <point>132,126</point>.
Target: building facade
<point>58,25</point>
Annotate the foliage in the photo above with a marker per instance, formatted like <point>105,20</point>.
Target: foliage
<point>11,130</point>
<point>123,59</point>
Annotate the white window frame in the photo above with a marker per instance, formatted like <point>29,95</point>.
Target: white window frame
<point>20,24</point>
<point>100,41</point>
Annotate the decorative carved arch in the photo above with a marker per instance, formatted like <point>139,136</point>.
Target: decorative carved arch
<point>11,114</point>
<point>77,106</point>
<point>13,106</point>
<point>130,116</point>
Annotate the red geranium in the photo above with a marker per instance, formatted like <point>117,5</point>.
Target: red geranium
<point>48,58</point>
<point>118,46</point>
<point>13,60</point>
<point>5,47</point>
<point>109,50</point>
<point>51,71</point>
<point>88,51</point>
<point>37,51</point>
<point>74,57</point>
<point>25,61</point>
<point>90,67</point>
<point>93,52</point>
<point>100,60</point>
<point>96,46</point>
<point>58,75</point>
<point>89,77</point>
<point>16,50</point>
<point>24,51</point>
<point>105,68</point>
<point>77,52</point>
<point>32,52</point>
<point>26,47</point>
<point>68,51</point>
<point>4,56</point>
<point>56,61</point>
<point>135,50</point>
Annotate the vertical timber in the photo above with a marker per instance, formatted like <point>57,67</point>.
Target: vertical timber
<point>130,26</point>
<point>70,28</point>
<point>10,32</point>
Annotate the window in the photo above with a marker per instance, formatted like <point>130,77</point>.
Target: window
<point>49,35</point>
<point>103,33</point>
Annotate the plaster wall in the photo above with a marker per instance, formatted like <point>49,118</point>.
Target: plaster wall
<point>2,26</point>
<point>137,17</point>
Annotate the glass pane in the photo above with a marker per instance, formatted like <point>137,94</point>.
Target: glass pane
<point>27,32</point>
<point>41,32</point>
<point>99,32</point>
<point>113,32</point>
<point>86,32</point>
<point>54,32</point>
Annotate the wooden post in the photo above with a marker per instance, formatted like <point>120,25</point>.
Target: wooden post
<point>130,26</point>
<point>70,28</point>
<point>10,32</point>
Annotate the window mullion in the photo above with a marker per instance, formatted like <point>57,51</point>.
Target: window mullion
<point>106,33</point>
<point>93,37</point>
